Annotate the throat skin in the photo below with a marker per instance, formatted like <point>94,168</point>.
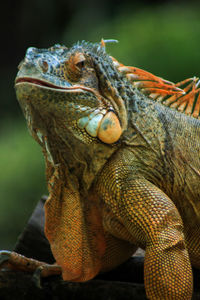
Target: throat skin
<point>73,216</point>
<point>74,225</point>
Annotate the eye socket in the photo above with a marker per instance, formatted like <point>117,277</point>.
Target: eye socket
<point>79,60</point>
<point>81,64</point>
<point>74,66</point>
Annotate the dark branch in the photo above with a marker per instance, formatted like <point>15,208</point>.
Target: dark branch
<point>124,282</point>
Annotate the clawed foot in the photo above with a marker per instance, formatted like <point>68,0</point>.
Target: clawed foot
<point>13,260</point>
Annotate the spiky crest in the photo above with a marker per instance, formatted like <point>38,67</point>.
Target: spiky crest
<point>183,96</point>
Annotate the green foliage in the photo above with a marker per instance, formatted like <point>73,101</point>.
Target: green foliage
<point>162,39</point>
<point>22,179</point>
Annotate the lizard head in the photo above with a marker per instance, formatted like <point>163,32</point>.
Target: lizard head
<point>77,89</point>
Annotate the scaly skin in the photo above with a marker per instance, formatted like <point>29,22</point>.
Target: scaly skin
<point>127,177</point>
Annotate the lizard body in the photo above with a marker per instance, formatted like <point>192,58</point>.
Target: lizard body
<point>122,160</point>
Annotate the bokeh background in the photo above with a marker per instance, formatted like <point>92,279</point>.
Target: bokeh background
<point>162,37</point>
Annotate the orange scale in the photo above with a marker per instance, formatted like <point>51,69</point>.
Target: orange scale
<point>110,129</point>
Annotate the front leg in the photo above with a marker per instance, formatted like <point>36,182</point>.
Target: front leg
<point>16,261</point>
<point>153,220</point>
<point>151,216</point>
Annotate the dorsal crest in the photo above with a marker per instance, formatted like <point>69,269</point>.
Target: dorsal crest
<point>183,96</point>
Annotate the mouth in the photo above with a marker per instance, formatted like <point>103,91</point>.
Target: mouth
<point>47,85</point>
<point>38,82</point>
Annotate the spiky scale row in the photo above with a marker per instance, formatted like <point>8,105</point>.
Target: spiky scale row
<point>183,96</point>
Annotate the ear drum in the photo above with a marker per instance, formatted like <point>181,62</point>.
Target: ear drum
<point>110,129</point>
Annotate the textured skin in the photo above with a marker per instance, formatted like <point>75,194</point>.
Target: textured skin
<point>123,167</point>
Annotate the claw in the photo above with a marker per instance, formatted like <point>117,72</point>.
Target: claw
<point>37,277</point>
<point>45,270</point>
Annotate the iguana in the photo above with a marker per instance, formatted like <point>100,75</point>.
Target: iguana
<point>123,167</point>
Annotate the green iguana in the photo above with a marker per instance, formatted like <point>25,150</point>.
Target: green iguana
<point>123,166</point>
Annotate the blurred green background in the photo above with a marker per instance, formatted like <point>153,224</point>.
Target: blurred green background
<point>159,36</point>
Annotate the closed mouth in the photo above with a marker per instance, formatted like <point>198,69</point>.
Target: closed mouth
<point>37,82</point>
<point>45,84</point>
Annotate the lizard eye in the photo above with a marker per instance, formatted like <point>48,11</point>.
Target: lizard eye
<point>74,66</point>
<point>81,64</point>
